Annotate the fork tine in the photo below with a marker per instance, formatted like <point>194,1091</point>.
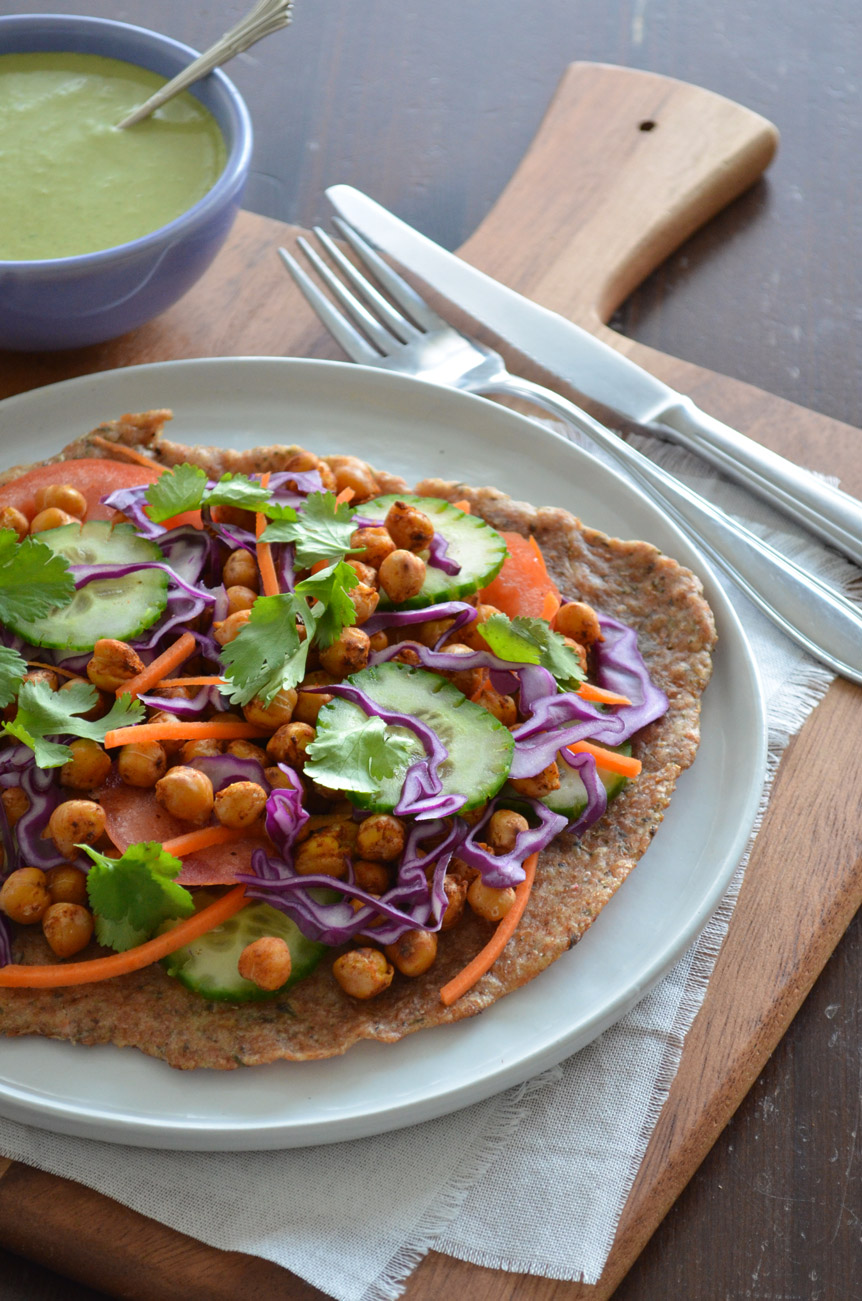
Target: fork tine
<point>356,347</point>
<point>403,293</point>
<point>398,324</point>
<point>377,333</point>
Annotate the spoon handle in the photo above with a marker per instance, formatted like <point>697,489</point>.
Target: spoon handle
<point>267,16</point>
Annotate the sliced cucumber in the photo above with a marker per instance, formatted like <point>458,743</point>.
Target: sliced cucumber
<point>108,607</point>
<point>571,798</point>
<point>209,965</point>
<point>479,747</point>
<point>473,544</point>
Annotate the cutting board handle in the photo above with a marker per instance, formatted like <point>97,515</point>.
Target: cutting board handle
<point>648,160</point>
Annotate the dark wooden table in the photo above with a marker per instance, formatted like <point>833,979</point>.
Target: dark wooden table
<point>430,108</point>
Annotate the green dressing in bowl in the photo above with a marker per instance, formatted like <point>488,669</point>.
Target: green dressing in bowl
<point>70,182</point>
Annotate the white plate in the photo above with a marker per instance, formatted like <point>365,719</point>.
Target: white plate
<point>419,430</point>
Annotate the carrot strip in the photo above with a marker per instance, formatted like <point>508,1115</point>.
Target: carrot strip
<point>346,494</point>
<point>550,605</point>
<point>268,576</point>
<point>462,505</point>
<point>466,978</point>
<point>182,648</point>
<point>212,681</point>
<point>16,975</point>
<point>602,697</point>
<point>624,764</point>
<point>181,731</point>
<point>128,452</point>
<point>52,668</point>
<point>193,841</point>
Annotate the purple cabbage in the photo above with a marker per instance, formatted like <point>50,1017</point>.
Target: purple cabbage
<point>620,667</point>
<point>459,611</point>
<point>285,816</point>
<point>502,870</point>
<point>131,502</point>
<point>597,795</point>
<point>438,557</point>
<point>206,697</point>
<point>84,574</point>
<point>225,769</point>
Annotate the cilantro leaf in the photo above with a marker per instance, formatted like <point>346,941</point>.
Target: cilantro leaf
<point>238,490</point>
<point>12,669</point>
<point>321,530</point>
<point>332,588</point>
<point>532,641</point>
<point>34,580</point>
<point>131,896</point>
<point>45,713</point>
<point>267,654</point>
<point>176,491</point>
<point>357,755</point>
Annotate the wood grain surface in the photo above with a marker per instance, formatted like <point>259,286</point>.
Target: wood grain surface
<point>774,1211</point>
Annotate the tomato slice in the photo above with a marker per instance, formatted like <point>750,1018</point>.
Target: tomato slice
<point>94,477</point>
<point>523,583</point>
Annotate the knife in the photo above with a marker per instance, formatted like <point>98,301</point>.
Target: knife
<point>604,375</point>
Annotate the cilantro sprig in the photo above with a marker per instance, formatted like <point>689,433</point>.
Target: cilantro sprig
<point>34,580</point>
<point>133,895</point>
<point>531,641</point>
<point>12,669</point>
<point>268,656</point>
<point>185,488</point>
<point>357,756</point>
<point>319,530</point>
<point>331,588</point>
<point>43,713</point>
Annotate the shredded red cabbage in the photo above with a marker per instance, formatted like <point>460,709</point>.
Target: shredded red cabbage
<point>620,667</point>
<point>459,611</point>
<point>84,574</point>
<point>597,795</point>
<point>225,769</point>
<point>204,698</point>
<point>131,503</point>
<point>502,870</point>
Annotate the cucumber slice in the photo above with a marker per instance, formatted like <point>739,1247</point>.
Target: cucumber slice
<point>479,747</point>
<point>111,607</point>
<point>571,798</point>
<point>477,548</point>
<point>209,965</point>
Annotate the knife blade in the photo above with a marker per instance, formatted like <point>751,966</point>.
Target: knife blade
<point>604,375</point>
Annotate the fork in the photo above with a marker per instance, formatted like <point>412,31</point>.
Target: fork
<point>416,341</point>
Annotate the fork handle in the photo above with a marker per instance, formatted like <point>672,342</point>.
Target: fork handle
<point>812,613</point>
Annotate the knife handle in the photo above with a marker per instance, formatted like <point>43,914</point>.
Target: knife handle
<point>833,515</point>
<point>809,611</point>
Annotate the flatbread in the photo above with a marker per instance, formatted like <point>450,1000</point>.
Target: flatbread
<point>630,581</point>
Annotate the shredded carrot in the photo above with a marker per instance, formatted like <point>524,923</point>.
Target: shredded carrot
<point>458,986</point>
<point>52,668</point>
<point>550,605</point>
<point>149,677</point>
<point>181,731</point>
<point>212,681</point>
<point>120,449</point>
<point>602,697</point>
<point>462,505</point>
<point>319,565</point>
<point>268,576</point>
<point>16,975</point>
<point>193,841</point>
<point>624,764</point>
<point>346,494</point>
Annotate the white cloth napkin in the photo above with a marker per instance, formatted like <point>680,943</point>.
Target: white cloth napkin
<point>531,1181</point>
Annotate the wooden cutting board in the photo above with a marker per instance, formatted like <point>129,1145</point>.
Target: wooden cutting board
<point>626,165</point>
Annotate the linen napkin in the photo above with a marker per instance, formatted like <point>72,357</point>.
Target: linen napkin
<point>533,1180</point>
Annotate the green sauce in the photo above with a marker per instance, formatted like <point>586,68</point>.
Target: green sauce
<point>70,182</point>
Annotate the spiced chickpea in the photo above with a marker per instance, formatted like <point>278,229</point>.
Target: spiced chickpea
<point>103,702</point>
<point>413,953</point>
<point>365,600</point>
<point>64,497</point>
<point>373,544</point>
<point>68,928</point>
<point>24,896</point>
<point>409,527</point>
<point>579,621</point>
<point>402,575</point>
<point>351,472</point>
<point>455,889</point>
<point>113,664</point>
<point>373,877</point>
<point>51,518</point>
<point>277,779</point>
<point>466,680</point>
<point>310,703</point>
<point>487,902</point>
<point>503,829</point>
<point>142,763</point>
<point>301,460</point>
<point>76,822</point>
<point>430,632</point>
<point>66,885</point>
<point>203,749</point>
<point>42,677</point>
<point>347,654</point>
<point>12,518</point>
<point>542,784</point>
<point>240,598</point>
<point>290,744</point>
<point>272,716</point>
<point>246,750</point>
<point>186,793</point>
<point>88,767</point>
<point>503,708</point>
<point>380,837</point>
<point>15,803</point>
<point>363,973</point>
<point>266,962</point>
<point>579,650</point>
<point>322,852</point>
<point>240,569</point>
<point>240,804</point>
<point>227,630</point>
<point>363,572</point>
<point>378,641</point>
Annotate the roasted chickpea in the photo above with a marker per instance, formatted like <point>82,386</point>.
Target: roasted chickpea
<point>246,750</point>
<point>88,767</point>
<point>579,650</point>
<point>103,702</point>
<point>363,973</point>
<point>378,641</point>
<point>466,680</point>
<point>301,460</point>
<point>471,635</point>
<point>265,962</point>
<point>347,654</point>
<point>44,677</point>
<point>373,545</point>
<point>142,763</point>
<point>68,928</point>
<point>203,749</point>
<point>240,598</point>
<point>24,896</point>
<point>274,715</point>
<point>66,885</point>
<point>64,497</point>
<point>503,708</point>
<point>240,804</point>
<point>380,837</point>
<point>240,570</point>
<point>290,744</point>
<point>504,828</point>
<point>373,877</point>
<point>542,784</point>
<point>402,575</point>
<point>77,822</point>
<point>15,802</point>
<point>413,953</point>
<point>430,632</point>
<point>365,601</point>
<point>113,664</point>
<point>487,902</point>
<point>322,852</point>
<point>227,630</point>
<point>12,518</point>
<point>363,572</point>
<point>308,703</point>
<point>408,527</point>
<point>350,472</point>
<point>455,888</point>
<point>187,794</point>
<point>277,779</point>
<point>579,621</point>
<point>52,518</point>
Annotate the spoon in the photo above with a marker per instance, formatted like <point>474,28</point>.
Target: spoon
<point>266,16</point>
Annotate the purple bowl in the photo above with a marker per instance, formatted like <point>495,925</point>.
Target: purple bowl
<point>73,301</point>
